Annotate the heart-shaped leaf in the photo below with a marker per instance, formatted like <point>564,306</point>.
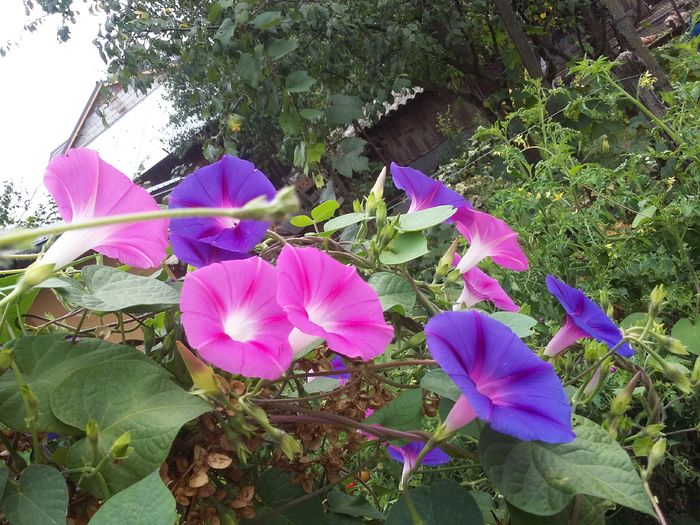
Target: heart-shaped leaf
<point>124,397</point>
<point>44,362</point>
<point>147,502</point>
<point>442,503</point>
<point>394,292</point>
<point>404,247</point>
<point>688,333</point>
<point>424,219</point>
<point>439,382</point>
<point>41,498</point>
<point>520,324</point>
<point>274,489</point>
<point>401,413</point>
<point>343,221</point>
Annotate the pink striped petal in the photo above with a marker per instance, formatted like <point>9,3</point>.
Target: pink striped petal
<point>327,299</point>
<point>488,237</point>
<point>479,286</point>
<point>231,317</point>
<point>86,187</point>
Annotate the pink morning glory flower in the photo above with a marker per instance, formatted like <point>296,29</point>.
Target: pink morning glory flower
<point>231,317</point>
<point>584,320</point>
<point>329,300</point>
<point>488,237</point>
<point>408,455</point>
<point>424,191</point>
<point>478,286</point>
<point>86,187</point>
<point>229,183</point>
<point>502,381</point>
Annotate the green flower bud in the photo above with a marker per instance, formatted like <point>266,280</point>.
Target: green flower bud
<point>657,295</point>
<point>445,264</point>
<point>5,359</point>
<point>378,188</point>
<point>202,375</point>
<point>380,214</point>
<point>695,375</point>
<point>92,431</point>
<point>290,447</point>
<point>622,400</point>
<point>677,375</point>
<point>670,344</point>
<point>36,274</point>
<point>31,403</point>
<point>121,447</point>
<point>656,457</point>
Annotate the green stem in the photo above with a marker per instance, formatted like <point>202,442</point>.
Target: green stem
<point>415,517</point>
<point>31,417</point>
<point>284,202</point>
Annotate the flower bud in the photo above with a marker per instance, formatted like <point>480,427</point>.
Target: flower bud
<point>31,403</point>
<point>445,263</point>
<point>202,375</point>
<point>92,431</point>
<point>656,457</point>
<point>121,447</point>
<point>657,295</point>
<point>380,214</point>
<point>670,344</point>
<point>5,359</point>
<point>36,274</point>
<point>290,447</point>
<point>676,374</point>
<point>695,375</point>
<point>453,276</point>
<point>378,188</point>
<point>592,386</point>
<point>621,403</point>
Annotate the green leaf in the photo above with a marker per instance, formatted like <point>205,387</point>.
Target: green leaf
<point>405,412</point>
<point>350,157</point>
<point>4,474</point>
<point>268,20</point>
<point>324,211</point>
<point>124,397</point>
<point>394,292</point>
<point>634,319</point>
<point>274,489</point>
<point>107,289</point>
<point>41,498</point>
<point>249,69</point>
<point>321,384</point>
<point>688,333</point>
<point>440,383</point>
<point>314,152</point>
<point>301,221</point>
<point>278,48</point>
<point>147,502</point>
<point>520,324</point>
<point>299,82</point>
<point>356,506</point>
<point>44,362</point>
<point>225,32</point>
<point>310,113</point>
<point>644,215</point>
<point>23,305</point>
<point>404,247</point>
<point>542,478</point>
<point>424,219</point>
<point>589,511</point>
<point>343,221</point>
<point>444,502</point>
<point>290,123</point>
<point>343,109</point>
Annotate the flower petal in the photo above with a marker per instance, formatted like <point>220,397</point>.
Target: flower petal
<point>479,286</point>
<point>587,315</point>
<point>230,182</point>
<point>424,191</point>
<point>505,383</point>
<point>325,298</point>
<point>84,187</point>
<point>488,237</point>
<point>231,317</point>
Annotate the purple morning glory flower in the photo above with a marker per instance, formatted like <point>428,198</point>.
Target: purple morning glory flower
<point>408,454</point>
<point>338,364</point>
<point>502,381</point>
<point>584,320</point>
<point>424,191</point>
<point>229,183</point>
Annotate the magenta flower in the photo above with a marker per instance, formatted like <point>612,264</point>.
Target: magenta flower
<point>424,191</point>
<point>478,286</point>
<point>86,187</point>
<point>228,183</point>
<point>408,455</point>
<point>329,300</point>
<point>488,237</point>
<point>502,381</point>
<point>231,317</point>
<point>584,320</point>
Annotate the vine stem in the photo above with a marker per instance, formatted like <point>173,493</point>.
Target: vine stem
<point>379,366</point>
<point>657,509</point>
<point>284,202</point>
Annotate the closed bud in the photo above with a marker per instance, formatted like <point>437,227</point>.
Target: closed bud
<point>31,403</point>
<point>290,447</point>
<point>695,375</point>
<point>357,206</point>
<point>380,215</point>
<point>5,359</point>
<point>378,188</point>
<point>623,398</point>
<point>592,386</point>
<point>657,295</point>
<point>656,457</point>
<point>445,263</point>
<point>121,447</point>
<point>671,344</point>
<point>92,431</point>
<point>605,302</point>
<point>202,375</point>
<point>453,276</point>
<point>36,274</point>
<point>676,374</point>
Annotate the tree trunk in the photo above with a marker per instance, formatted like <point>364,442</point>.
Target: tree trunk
<point>628,73</point>
<point>522,42</point>
<point>631,40</point>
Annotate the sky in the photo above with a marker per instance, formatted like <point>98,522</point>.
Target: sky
<point>44,86</point>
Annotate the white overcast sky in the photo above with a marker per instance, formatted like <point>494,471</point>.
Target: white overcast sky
<point>44,86</point>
